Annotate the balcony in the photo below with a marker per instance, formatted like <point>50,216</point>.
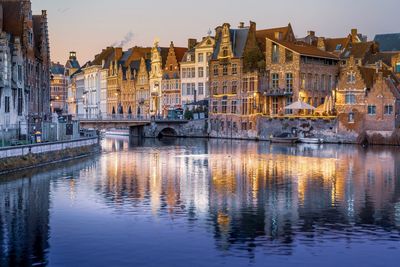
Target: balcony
<point>279,92</point>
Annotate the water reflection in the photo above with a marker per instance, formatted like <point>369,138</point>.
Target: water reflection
<point>242,200</point>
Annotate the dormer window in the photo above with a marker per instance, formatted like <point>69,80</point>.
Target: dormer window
<point>351,77</point>
<point>225,52</point>
<point>338,47</point>
<point>189,58</point>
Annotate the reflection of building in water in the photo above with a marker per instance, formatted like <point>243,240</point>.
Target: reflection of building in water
<point>161,175</point>
<point>257,194</point>
<point>24,222</point>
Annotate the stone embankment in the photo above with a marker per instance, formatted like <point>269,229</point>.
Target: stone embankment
<point>32,156</point>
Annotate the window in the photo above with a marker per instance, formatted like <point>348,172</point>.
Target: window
<point>350,98</point>
<point>225,70</point>
<point>329,85</point>
<point>289,82</point>
<point>398,67</point>
<point>371,110</point>
<point>201,72</point>
<point>184,73</point>
<point>225,52</point>
<point>338,47</point>
<point>193,73</point>
<point>303,80</point>
<point>7,104</point>
<point>388,109</point>
<point>351,77</point>
<point>309,81</point>
<point>275,53</point>
<point>322,82</point>
<point>351,117</point>
<point>215,107</point>
<point>224,106</point>
<point>19,73</point>
<point>201,88</point>
<point>215,88</point>
<point>225,87</point>
<point>215,68</point>
<point>234,87</point>
<point>275,80</point>
<point>274,105</point>
<point>234,107</point>
<point>189,89</point>
<point>252,84</point>
<point>316,82</point>
<point>201,57</point>
<point>234,69</point>
<point>245,84</point>
<point>289,101</point>
<point>288,56</point>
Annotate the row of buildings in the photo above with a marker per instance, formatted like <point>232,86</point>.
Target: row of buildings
<point>24,68</point>
<point>241,74</point>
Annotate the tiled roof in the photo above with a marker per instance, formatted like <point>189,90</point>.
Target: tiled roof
<point>238,41</point>
<point>357,50</point>
<point>57,68</point>
<point>370,75</point>
<point>388,42</point>
<point>106,55</point>
<point>72,64</point>
<point>304,49</point>
<point>336,44</point>
<point>191,53</point>
<point>12,18</point>
<point>180,52</point>
<point>384,57</point>
<point>270,33</point>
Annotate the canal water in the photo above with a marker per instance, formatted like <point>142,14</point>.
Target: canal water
<point>206,203</point>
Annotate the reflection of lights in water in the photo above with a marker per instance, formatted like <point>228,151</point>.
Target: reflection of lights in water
<point>72,193</point>
<point>397,213</point>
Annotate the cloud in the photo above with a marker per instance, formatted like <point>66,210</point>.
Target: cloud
<point>127,39</point>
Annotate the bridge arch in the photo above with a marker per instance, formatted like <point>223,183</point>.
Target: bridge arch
<point>167,132</point>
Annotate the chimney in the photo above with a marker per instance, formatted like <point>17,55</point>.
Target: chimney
<point>321,44</point>
<point>44,13</point>
<point>218,32</point>
<point>278,36</point>
<point>1,18</point>
<point>354,35</point>
<point>241,25</point>
<point>191,43</point>
<point>311,33</point>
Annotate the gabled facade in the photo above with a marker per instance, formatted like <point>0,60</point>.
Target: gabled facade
<point>158,57</point>
<point>142,91</point>
<point>58,88</point>
<point>237,80</point>
<point>195,71</point>
<point>297,71</point>
<point>367,99</point>
<point>171,80</point>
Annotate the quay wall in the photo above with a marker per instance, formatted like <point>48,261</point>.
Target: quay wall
<point>36,155</point>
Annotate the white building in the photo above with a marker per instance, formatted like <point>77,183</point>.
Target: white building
<point>195,71</point>
<point>13,94</point>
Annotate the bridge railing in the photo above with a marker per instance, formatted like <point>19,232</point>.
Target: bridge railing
<point>125,117</point>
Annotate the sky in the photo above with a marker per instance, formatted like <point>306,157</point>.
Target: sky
<point>88,26</point>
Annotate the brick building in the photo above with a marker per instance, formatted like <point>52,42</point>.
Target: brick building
<point>296,71</point>
<point>368,99</point>
<point>30,34</point>
<point>58,88</point>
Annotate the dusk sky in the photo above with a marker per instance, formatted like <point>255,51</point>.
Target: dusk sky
<point>87,26</point>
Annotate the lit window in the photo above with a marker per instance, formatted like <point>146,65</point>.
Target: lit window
<point>398,67</point>
<point>371,110</point>
<point>351,117</point>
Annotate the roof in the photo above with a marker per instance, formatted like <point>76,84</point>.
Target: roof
<point>13,20</point>
<point>270,33</point>
<point>57,68</point>
<point>180,52</point>
<point>238,41</point>
<point>106,55</point>
<point>336,44</point>
<point>357,50</point>
<point>388,42</point>
<point>370,75</point>
<point>304,49</point>
<point>384,57</point>
<point>72,64</point>
<point>191,53</point>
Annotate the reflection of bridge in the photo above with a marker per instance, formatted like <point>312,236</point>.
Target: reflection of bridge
<point>138,126</point>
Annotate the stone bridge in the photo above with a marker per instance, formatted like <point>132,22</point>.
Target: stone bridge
<point>150,128</point>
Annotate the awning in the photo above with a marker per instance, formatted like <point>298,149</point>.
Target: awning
<point>299,105</point>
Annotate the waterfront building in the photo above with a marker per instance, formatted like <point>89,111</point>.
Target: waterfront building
<point>165,83</point>
<point>368,99</point>
<point>58,88</point>
<point>297,71</point>
<point>113,82</point>
<point>195,71</point>
<point>142,85</point>
<point>27,33</point>
<point>130,64</point>
<point>237,81</point>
